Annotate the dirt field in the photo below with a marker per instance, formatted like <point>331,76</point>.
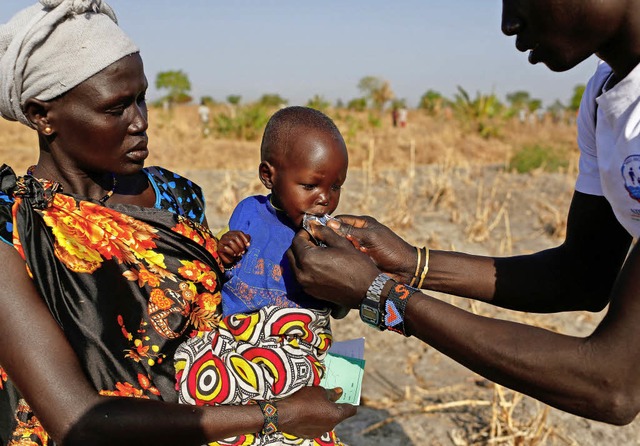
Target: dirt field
<point>453,194</point>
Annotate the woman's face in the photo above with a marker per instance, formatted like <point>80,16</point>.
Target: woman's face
<point>562,33</point>
<point>310,176</point>
<point>100,125</point>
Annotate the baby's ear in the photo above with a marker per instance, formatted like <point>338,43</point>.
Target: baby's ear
<point>266,172</point>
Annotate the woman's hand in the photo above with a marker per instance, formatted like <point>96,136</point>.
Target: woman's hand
<point>312,411</point>
<point>232,246</point>
<point>338,273</point>
<point>390,253</point>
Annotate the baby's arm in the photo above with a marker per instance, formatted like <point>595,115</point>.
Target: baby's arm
<point>232,246</point>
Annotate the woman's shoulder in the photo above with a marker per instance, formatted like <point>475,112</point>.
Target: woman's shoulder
<point>7,181</point>
<point>177,193</point>
<point>169,177</point>
<point>6,219</point>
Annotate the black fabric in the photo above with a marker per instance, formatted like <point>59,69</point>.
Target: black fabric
<point>149,280</point>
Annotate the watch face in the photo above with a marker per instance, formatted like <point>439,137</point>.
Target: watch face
<point>369,313</point>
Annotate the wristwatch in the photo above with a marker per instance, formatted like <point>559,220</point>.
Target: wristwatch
<point>370,306</point>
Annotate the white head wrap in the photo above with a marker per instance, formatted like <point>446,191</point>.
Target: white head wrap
<point>51,47</point>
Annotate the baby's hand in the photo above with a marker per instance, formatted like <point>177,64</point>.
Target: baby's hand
<point>232,246</point>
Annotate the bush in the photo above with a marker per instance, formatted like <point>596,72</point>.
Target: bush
<point>374,120</point>
<point>357,104</point>
<point>247,124</point>
<point>536,156</point>
<point>319,103</point>
<point>353,127</point>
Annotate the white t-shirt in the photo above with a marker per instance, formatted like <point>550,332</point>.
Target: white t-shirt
<point>610,144</point>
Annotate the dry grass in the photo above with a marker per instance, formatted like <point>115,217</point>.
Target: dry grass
<point>176,141</point>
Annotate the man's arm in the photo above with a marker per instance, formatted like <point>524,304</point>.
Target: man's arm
<point>594,377</point>
<point>577,275</point>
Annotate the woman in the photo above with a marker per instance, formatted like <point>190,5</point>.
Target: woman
<point>120,267</point>
<point>594,376</point>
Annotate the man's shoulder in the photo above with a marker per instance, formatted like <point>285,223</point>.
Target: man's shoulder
<point>596,83</point>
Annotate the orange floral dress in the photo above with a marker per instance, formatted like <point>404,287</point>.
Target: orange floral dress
<point>127,284</point>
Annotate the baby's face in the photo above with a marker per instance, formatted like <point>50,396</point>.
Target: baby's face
<point>309,179</point>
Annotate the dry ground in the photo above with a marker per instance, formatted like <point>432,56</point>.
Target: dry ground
<point>434,184</point>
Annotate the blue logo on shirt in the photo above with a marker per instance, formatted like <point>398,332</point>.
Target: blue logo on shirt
<point>631,174</point>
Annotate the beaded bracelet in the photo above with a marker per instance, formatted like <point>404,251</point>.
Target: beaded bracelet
<point>395,307</point>
<point>270,414</point>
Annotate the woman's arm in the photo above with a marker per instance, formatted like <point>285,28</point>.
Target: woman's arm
<point>42,365</point>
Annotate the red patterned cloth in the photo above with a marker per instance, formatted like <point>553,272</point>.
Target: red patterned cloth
<point>265,355</point>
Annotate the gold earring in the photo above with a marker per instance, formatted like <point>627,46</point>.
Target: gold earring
<point>47,130</point>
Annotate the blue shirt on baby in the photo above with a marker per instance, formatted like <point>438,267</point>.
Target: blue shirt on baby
<point>263,276</point>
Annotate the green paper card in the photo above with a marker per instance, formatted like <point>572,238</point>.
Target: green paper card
<point>345,369</point>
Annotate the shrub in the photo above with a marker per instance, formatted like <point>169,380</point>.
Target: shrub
<point>374,120</point>
<point>357,104</point>
<point>319,103</point>
<point>247,124</point>
<point>536,156</point>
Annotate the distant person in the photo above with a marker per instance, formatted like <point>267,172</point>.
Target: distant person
<point>522,115</point>
<point>595,376</point>
<point>204,113</point>
<point>403,116</point>
<point>107,266</point>
<point>274,336</point>
<point>394,116</point>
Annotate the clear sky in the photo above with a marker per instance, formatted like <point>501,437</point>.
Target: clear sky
<point>298,48</point>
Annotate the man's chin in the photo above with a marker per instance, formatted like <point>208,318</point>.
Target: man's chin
<point>560,65</point>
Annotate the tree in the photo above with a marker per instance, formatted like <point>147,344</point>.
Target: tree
<point>519,100</point>
<point>578,91</point>
<point>357,104</point>
<point>178,85</point>
<point>534,104</point>
<point>556,107</point>
<point>557,110</point>
<point>399,103</point>
<point>432,102</point>
<point>234,99</point>
<point>377,90</point>
<point>272,100</point>
<point>319,103</point>
<point>208,100</point>
<point>478,111</point>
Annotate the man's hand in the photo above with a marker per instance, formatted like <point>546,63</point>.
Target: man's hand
<point>391,254</point>
<point>338,273</point>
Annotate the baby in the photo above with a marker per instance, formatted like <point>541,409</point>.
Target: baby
<point>274,336</point>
